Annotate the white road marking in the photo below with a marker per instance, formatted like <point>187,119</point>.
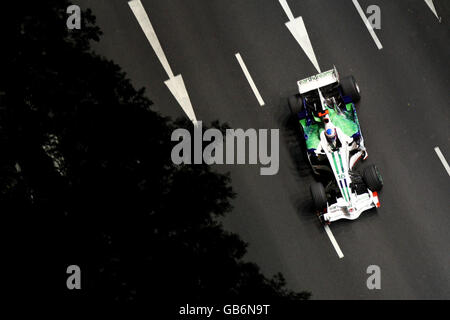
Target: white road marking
<point>333,241</point>
<point>287,9</point>
<point>433,8</point>
<point>249,79</point>
<point>178,89</point>
<point>368,25</point>
<point>443,160</point>
<point>146,25</point>
<point>175,83</point>
<point>298,29</point>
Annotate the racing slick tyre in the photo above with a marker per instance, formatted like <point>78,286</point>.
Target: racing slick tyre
<point>295,104</point>
<point>319,196</point>
<point>350,88</point>
<point>372,178</point>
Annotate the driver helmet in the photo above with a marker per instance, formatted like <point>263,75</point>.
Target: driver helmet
<point>330,133</point>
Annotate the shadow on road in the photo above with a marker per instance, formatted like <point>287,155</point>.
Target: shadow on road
<point>290,135</point>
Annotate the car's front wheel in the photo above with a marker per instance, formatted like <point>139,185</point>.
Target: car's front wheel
<point>372,178</point>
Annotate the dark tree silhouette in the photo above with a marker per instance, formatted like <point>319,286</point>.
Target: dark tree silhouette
<point>87,178</point>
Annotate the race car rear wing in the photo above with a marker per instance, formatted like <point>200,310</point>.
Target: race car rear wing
<point>318,81</point>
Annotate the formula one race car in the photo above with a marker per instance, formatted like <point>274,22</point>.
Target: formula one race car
<point>325,108</point>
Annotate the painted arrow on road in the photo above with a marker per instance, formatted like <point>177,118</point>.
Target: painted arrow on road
<point>298,29</point>
<point>368,24</point>
<point>430,4</point>
<point>175,83</point>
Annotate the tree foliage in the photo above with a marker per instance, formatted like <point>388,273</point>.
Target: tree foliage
<point>87,176</point>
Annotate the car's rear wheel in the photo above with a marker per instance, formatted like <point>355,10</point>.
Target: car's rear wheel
<point>319,196</point>
<point>295,104</point>
<point>350,88</point>
<point>372,178</point>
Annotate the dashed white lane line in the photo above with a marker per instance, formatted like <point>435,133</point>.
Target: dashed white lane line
<point>334,242</point>
<point>298,30</point>
<point>175,83</point>
<point>368,25</point>
<point>443,160</point>
<point>430,4</point>
<point>249,79</point>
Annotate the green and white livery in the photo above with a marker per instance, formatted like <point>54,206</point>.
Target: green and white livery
<point>325,107</point>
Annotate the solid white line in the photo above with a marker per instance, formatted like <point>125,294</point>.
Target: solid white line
<point>144,21</point>
<point>287,9</point>
<point>334,242</point>
<point>249,79</point>
<point>368,25</point>
<point>443,160</point>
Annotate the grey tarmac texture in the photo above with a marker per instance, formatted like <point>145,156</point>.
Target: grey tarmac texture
<point>403,112</point>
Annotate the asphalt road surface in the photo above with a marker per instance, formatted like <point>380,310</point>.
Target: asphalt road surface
<point>403,112</point>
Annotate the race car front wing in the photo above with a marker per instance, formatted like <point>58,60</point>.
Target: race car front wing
<point>344,210</point>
